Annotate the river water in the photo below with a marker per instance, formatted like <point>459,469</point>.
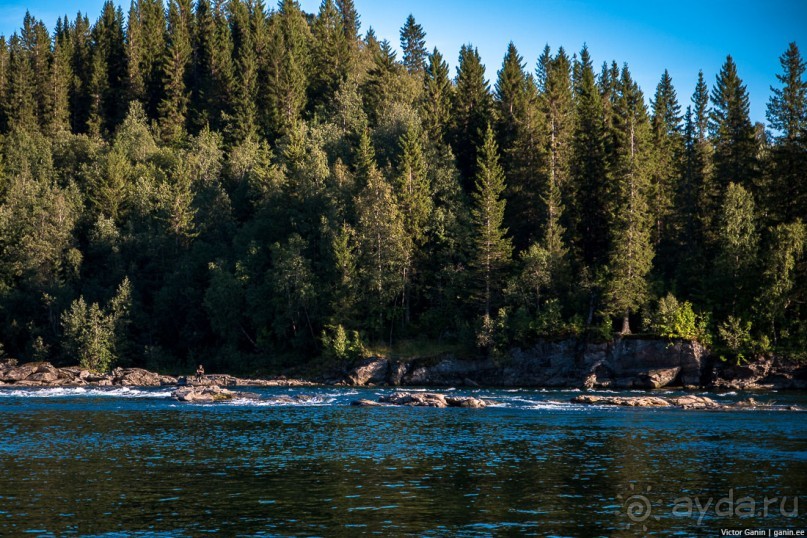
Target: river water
<point>133,462</point>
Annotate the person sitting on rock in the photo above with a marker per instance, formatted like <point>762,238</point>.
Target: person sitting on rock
<point>200,373</point>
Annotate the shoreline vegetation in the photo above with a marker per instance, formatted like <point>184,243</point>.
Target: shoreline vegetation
<point>267,190</point>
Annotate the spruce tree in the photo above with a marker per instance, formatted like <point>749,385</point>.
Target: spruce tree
<point>521,133</point>
<point>731,129</point>
<point>173,108</point>
<point>4,75</point>
<point>415,203</point>
<point>558,108</point>
<point>243,125</point>
<point>787,114</point>
<point>20,103</point>
<point>472,111</point>
<point>413,45</point>
<point>588,169</point>
<point>631,250</point>
<point>350,20</point>
<point>58,117</point>
<point>493,249</point>
<point>331,57</point>
<point>666,168</point>
<point>435,108</point>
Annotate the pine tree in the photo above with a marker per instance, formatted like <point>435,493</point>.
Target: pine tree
<point>173,108</point>
<point>631,250</point>
<point>437,96</point>
<point>81,64</point>
<point>779,275</point>
<point>588,169</point>
<point>413,45</point>
<point>493,248</point>
<point>472,111</point>
<point>732,131</point>
<point>787,114</point>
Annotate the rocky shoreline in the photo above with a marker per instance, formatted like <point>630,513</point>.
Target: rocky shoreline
<point>44,374</point>
<point>627,363</point>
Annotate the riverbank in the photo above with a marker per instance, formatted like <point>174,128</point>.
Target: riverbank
<point>626,363</point>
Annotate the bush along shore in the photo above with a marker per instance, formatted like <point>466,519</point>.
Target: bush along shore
<point>626,363</point>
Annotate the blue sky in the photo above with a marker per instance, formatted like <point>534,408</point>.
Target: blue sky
<point>681,36</point>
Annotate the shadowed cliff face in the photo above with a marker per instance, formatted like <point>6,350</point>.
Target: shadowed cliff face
<point>623,364</point>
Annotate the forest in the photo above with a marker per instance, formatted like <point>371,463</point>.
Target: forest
<point>259,188</point>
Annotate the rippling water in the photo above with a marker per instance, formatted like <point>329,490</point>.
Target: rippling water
<point>134,462</point>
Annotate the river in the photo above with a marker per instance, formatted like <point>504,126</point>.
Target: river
<point>133,462</point>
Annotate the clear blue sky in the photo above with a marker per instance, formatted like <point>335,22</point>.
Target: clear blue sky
<point>681,36</point>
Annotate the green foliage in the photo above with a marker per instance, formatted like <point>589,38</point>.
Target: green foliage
<point>735,337</point>
<point>673,319</point>
<point>92,334</point>
<point>341,345</point>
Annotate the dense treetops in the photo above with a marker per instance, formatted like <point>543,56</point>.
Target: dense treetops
<point>220,181</point>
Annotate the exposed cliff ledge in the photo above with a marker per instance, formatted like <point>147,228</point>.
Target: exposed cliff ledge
<point>627,363</point>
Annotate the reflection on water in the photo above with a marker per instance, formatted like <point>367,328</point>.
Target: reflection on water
<point>136,462</point>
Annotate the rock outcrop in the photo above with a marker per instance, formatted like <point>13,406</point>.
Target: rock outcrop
<point>625,363</point>
<point>207,394</point>
<point>688,401</point>
<point>423,399</point>
<point>44,374</point>
<point>768,373</point>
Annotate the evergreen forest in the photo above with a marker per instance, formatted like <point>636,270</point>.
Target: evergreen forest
<point>258,188</point>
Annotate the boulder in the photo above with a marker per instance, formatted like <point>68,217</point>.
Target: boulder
<point>415,399</point>
<point>688,401</point>
<point>135,377</point>
<point>203,394</point>
<point>628,401</point>
<point>656,379</point>
<point>22,372</point>
<point>372,370</point>
<point>43,377</point>
<point>429,399</point>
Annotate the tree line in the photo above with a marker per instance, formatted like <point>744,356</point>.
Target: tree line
<point>252,187</point>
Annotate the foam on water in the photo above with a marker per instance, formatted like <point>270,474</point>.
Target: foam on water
<point>72,392</point>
